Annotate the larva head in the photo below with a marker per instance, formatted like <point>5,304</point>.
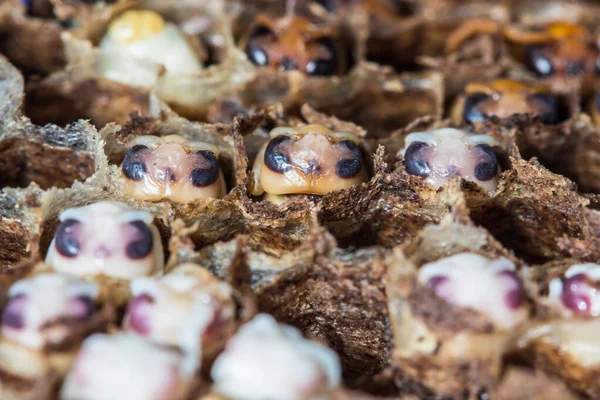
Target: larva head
<point>267,360</point>
<point>489,286</point>
<point>440,154</point>
<point>294,43</point>
<point>106,238</point>
<point>504,98</point>
<point>309,160</point>
<point>172,167</point>
<point>41,311</point>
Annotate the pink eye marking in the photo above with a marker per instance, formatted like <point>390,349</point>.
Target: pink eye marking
<point>12,316</point>
<point>436,281</point>
<point>81,307</point>
<point>138,313</point>
<point>577,294</point>
<point>514,295</point>
<point>442,287</point>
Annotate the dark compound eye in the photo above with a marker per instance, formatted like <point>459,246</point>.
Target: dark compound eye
<point>552,110</point>
<point>539,62</point>
<point>514,297</point>
<point>39,8</point>
<point>143,243</point>
<point>274,159</point>
<point>404,8</point>
<point>254,50</point>
<point>68,23</point>
<point>471,112</point>
<point>12,316</point>
<point>132,168</point>
<point>257,55</point>
<point>323,66</point>
<point>574,68</point>
<point>202,177</point>
<point>487,167</point>
<point>329,5</point>
<point>349,168</point>
<point>414,159</point>
<point>65,238</point>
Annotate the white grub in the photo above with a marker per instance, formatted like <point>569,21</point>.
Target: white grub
<point>472,281</point>
<point>144,35</point>
<point>267,360</point>
<point>180,309</point>
<point>125,366</point>
<point>35,305</point>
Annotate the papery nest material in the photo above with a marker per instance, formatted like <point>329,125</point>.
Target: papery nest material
<point>449,349</point>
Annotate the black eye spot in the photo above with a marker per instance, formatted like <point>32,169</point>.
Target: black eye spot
<point>39,8</point>
<point>487,168</point>
<point>144,242</point>
<point>288,64</point>
<point>414,159</point>
<point>257,55</point>
<point>254,50</point>
<point>329,5</point>
<point>202,177</point>
<point>575,68</point>
<point>349,168</point>
<point>404,8</point>
<point>12,316</point>
<point>539,62</point>
<point>134,170</point>
<point>552,109</point>
<point>276,160</point>
<point>323,66</point>
<point>471,112</point>
<point>598,66</point>
<point>68,23</point>
<point>65,240</point>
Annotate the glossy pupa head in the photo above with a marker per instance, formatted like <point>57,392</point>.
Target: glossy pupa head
<point>125,366</point>
<point>41,311</point>
<point>560,50</point>
<point>577,292</point>
<point>295,43</point>
<point>172,167</point>
<point>106,238</point>
<point>489,286</point>
<point>270,360</point>
<point>310,159</point>
<point>504,97</point>
<point>440,154</point>
<point>188,308</point>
